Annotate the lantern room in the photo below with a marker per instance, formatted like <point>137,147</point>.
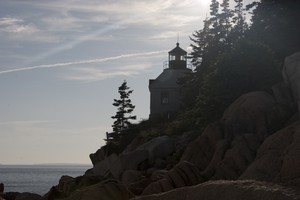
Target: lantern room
<point>177,58</point>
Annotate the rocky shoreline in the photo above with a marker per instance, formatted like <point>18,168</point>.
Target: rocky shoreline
<point>252,152</point>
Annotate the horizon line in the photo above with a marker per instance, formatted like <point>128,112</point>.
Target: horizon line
<point>48,164</point>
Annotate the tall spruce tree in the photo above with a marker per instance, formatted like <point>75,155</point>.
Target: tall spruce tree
<point>225,22</point>
<point>239,20</point>
<point>125,108</point>
<point>208,44</point>
<point>200,44</point>
<point>214,47</point>
<point>276,24</point>
<point>226,74</point>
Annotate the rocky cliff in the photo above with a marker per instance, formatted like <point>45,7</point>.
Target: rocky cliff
<point>252,152</point>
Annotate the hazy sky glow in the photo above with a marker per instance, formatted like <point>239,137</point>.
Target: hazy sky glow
<point>63,60</point>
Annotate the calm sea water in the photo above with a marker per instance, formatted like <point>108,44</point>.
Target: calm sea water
<point>35,178</point>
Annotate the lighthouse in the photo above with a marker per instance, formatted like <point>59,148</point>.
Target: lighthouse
<point>164,90</point>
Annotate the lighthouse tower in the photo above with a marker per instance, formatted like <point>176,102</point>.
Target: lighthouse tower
<point>165,90</point>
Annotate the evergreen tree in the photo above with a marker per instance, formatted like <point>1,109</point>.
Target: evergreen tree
<point>225,22</point>
<point>200,44</point>
<point>276,24</point>
<point>208,44</point>
<point>239,20</point>
<point>214,47</point>
<point>125,107</point>
<point>214,11</point>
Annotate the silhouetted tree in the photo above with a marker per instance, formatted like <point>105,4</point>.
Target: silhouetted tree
<point>125,108</point>
<point>228,62</point>
<point>200,44</point>
<point>233,74</point>
<point>276,24</point>
<point>225,22</point>
<point>239,20</point>
<point>209,43</point>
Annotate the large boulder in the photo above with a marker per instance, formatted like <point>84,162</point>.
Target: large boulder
<point>228,190</point>
<point>291,75</point>
<point>114,165</point>
<point>1,187</point>
<point>183,174</point>
<point>10,195</point>
<point>98,156</point>
<point>133,159</point>
<point>110,166</point>
<point>87,180</point>
<point>105,191</point>
<point>158,147</point>
<point>231,159</point>
<point>278,158</point>
<point>201,150</point>
<point>227,147</point>
<point>256,112</point>
<point>135,143</point>
<point>28,196</point>
<point>131,176</point>
<point>66,184</point>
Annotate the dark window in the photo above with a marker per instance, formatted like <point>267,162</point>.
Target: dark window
<point>164,97</point>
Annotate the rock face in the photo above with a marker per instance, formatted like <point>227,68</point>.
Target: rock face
<point>131,176</point>
<point>66,184</point>
<point>105,191</point>
<point>98,156</point>
<point>1,187</point>
<point>256,113</point>
<point>278,157</point>
<point>103,168</point>
<point>249,153</point>
<point>291,74</point>
<point>183,174</point>
<point>226,148</point>
<point>159,147</point>
<point>228,190</point>
<point>28,196</point>
<point>149,152</point>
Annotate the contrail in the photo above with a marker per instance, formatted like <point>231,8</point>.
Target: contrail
<point>97,60</point>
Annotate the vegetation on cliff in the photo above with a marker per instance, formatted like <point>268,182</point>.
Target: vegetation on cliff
<point>231,56</point>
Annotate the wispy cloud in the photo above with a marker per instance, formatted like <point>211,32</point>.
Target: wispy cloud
<point>5,21</point>
<point>97,60</point>
<point>85,74</point>
<point>74,16</point>
<point>63,25</point>
<point>18,29</point>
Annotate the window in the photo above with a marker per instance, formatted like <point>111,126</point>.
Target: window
<point>171,57</point>
<point>164,97</point>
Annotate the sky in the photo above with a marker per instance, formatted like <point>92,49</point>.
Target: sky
<point>62,61</point>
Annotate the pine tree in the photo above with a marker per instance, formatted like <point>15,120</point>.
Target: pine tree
<point>276,24</point>
<point>125,107</point>
<point>200,44</point>
<point>215,29</point>
<point>225,22</point>
<point>239,20</point>
<point>213,39</point>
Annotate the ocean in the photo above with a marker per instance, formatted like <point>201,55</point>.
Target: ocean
<point>36,178</point>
